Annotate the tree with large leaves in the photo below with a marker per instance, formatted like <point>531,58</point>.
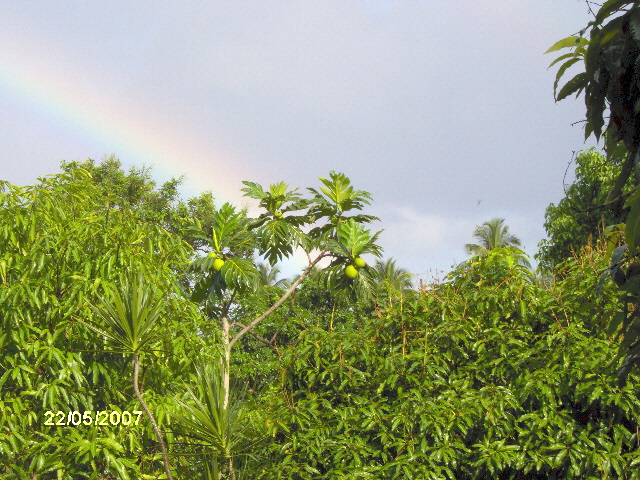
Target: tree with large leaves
<point>321,226</point>
<point>611,80</point>
<point>580,215</point>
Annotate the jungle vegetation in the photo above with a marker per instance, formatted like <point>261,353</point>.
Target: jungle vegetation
<point>143,336</point>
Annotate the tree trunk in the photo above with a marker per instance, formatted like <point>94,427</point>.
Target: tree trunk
<point>228,341</point>
<point>136,367</point>
<point>226,374</point>
<point>231,472</point>
<point>227,361</point>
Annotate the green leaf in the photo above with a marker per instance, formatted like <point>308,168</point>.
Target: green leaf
<point>621,180</point>
<point>341,195</point>
<point>576,84</point>
<point>278,239</point>
<point>609,7</point>
<point>240,273</point>
<point>561,71</point>
<point>617,255</point>
<point>354,237</point>
<point>634,24</point>
<point>111,443</point>
<point>562,57</point>
<point>572,41</point>
<point>601,281</point>
<point>253,190</point>
<point>130,316</point>
<point>595,100</point>
<point>588,130</point>
<point>206,420</point>
<point>615,322</point>
<point>631,359</point>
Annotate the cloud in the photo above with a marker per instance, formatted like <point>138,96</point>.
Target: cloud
<point>423,242</point>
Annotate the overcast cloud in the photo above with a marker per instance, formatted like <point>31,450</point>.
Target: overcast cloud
<point>443,110</point>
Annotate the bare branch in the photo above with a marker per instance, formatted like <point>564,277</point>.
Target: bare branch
<point>280,301</point>
<point>590,9</point>
<point>258,337</point>
<point>564,185</point>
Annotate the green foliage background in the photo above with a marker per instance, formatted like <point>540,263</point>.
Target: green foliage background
<point>491,379</point>
<point>487,375</point>
<point>492,373</point>
<point>61,243</point>
<point>580,215</point>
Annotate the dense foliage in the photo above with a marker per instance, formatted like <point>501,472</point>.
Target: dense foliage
<point>61,246</point>
<point>610,81</point>
<point>119,297</point>
<point>491,379</point>
<point>581,214</point>
<point>487,375</point>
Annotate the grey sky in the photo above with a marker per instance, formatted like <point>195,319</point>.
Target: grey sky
<point>429,105</point>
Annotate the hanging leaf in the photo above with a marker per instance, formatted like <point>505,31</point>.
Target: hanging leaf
<point>278,239</point>
<point>617,255</point>
<point>561,71</point>
<point>634,24</point>
<point>600,285</point>
<point>615,323</point>
<point>595,98</point>
<point>588,130</point>
<point>576,84</point>
<point>609,7</point>
<point>562,57</point>
<point>625,172</point>
<point>572,41</point>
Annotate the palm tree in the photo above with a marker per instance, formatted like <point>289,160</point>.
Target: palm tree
<point>395,277</point>
<point>207,420</point>
<point>130,319</point>
<point>268,276</point>
<point>494,234</point>
<point>491,234</point>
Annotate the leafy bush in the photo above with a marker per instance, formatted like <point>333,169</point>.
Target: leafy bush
<point>496,378</point>
<point>60,245</point>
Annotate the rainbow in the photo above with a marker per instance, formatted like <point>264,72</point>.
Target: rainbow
<point>134,136</point>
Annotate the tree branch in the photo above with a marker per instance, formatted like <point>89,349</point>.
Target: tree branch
<point>258,337</point>
<point>280,301</point>
<point>227,306</point>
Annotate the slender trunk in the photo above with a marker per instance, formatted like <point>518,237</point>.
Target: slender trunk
<point>226,374</point>
<point>232,473</point>
<point>136,367</point>
<point>227,361</point>
<point>228,341</point>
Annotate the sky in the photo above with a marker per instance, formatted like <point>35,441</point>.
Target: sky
<point>442,110</point>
